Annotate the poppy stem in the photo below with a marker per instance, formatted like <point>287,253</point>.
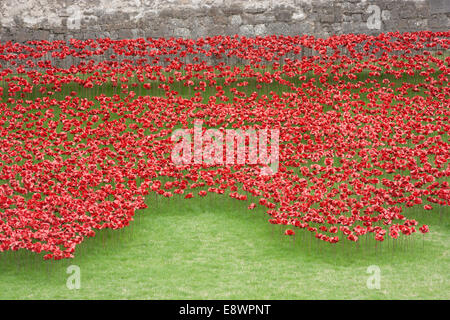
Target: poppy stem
<point>376,246</point>
<point>335,255</point>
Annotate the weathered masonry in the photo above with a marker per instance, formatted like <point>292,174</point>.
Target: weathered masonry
<point>22,20</point>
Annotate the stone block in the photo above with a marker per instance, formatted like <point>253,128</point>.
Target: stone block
<point>439,6</point>
<point>439,23</point>
<point>260,30</point>
<point>40,35</point>
<point>182,32</point>
<point>264,18</point>
<point>235,20</point>
<point>283,14</point>
<point>247,30</point>
<point>302,28</point>
<point>327,18</point>
<point>232,10</point>
<point>278,28</point>
<point>407,10</point>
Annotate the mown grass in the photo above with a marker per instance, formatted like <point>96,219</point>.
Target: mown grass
<point>214,248</point>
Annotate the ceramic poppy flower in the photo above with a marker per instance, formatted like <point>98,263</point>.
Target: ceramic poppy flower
<point>289,232</point>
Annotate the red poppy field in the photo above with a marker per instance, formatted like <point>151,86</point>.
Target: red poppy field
<point>363,153</point>
<point>86,133</point>
<point>362,166</point>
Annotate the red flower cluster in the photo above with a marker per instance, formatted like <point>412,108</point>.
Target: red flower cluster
<point>363,123</point>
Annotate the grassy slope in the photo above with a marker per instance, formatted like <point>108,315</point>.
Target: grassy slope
<point>215,248</point>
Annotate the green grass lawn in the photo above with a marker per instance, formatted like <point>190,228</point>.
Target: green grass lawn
<point>214,248</point>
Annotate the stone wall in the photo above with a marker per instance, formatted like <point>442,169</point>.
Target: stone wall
<point>22,20</point>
